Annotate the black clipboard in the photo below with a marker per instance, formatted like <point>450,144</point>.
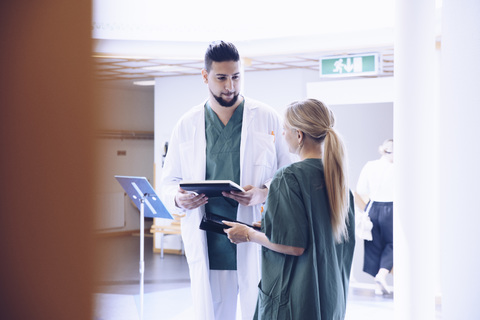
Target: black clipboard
<point>213,223</point>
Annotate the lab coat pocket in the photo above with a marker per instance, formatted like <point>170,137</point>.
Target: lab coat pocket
<point>186,159</point>
<point>264,150</point>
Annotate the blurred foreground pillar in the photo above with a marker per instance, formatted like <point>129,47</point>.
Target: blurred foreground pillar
<point>46,175</point>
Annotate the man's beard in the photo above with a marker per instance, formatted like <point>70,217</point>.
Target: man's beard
<point>224,103</point>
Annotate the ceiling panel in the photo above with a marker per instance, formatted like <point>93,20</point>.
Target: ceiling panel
<point>113,68</point>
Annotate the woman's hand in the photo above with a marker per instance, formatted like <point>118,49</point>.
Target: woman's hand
<point>238,232</point>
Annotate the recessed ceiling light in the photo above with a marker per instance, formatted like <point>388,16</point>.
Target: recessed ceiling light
<point>167,68</point>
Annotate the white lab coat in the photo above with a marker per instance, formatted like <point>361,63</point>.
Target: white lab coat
<point>262,151</point>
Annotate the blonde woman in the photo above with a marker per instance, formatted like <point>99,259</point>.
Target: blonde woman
<point>308,225</point>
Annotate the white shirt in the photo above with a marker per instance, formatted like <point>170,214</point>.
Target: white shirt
<point>376,180</point>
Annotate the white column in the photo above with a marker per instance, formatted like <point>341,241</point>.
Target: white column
<point>415,128</point>
<point>460,173</point>
<point>174,96</point>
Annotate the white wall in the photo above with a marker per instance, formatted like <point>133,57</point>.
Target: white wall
<point>458,139</point>
<point>280,87</point>
<point>126,109</point>
<point>173,97</point>
<point>363,110</point>
<point>353,90</point>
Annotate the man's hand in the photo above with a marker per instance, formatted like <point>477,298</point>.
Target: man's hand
<point>188,200</point>
<point>252,195</point>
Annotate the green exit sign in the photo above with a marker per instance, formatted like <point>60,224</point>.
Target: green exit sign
<point>351,65</point>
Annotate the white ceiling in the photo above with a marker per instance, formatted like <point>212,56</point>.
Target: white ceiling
<point>144,39</point>
<point>246,20</point>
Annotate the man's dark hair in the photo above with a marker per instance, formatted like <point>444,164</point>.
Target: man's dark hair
<point>220,51</point>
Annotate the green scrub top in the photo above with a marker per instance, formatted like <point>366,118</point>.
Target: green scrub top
<point>223,163</point>
<point>315,284</point>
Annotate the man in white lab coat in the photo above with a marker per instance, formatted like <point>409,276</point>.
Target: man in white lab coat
<point>228,137</point>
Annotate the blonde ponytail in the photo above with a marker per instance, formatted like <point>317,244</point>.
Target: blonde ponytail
<point>313,118</point>
<point>334,162</point>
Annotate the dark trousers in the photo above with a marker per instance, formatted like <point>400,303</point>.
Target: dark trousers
<point>379,251</point>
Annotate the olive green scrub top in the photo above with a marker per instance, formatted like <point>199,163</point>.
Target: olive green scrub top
<point>223,163</point>
<point>315,284</point>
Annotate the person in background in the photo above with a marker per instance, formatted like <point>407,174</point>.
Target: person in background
<point>226,137</point>
<point>308,227</point>
<point>374,195</point>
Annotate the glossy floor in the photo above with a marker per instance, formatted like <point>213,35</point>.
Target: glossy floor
<point>167,286</point>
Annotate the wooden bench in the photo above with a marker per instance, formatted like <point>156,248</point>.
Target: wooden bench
<point>172,228</point>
